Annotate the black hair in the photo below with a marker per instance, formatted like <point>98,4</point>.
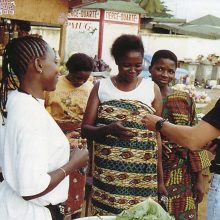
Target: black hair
<point>163,54</point>
<point>24,25</point>
<point>79,62</point>
<point>124,44</point>
<point>16,56</point>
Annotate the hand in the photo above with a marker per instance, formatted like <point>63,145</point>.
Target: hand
<point>82,143</point>
<point>166,150</point>
<point>73,143</point>
<point>162,190</point>
<point>79,157</point>
<point>149,121</point>
<point>211,146</point>
<point>198,191</point>
<point>73,138</point>
<point>72,135</point>
<point>118,130</point>
<point>162,196</point>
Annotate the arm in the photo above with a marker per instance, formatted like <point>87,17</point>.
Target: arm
<point>193,138</point>
<point>78,159</point>
<point>198,187</point>
<point>90,131</point>
<point>161,186</point>
<point>198,160</point>
<point>157,105</point>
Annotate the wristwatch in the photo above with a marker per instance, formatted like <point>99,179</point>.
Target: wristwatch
<point>159,124</point>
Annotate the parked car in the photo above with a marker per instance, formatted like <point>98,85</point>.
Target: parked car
<point>146,74</point>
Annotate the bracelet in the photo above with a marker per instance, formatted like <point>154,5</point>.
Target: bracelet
<point>64,171</point>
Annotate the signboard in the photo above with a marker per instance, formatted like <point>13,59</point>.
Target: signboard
<point>122,17</point>
<point>82,32</point>
<point>84,14</point>
<point>7,7</point>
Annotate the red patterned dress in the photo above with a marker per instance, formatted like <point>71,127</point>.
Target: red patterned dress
<point>181,166</point>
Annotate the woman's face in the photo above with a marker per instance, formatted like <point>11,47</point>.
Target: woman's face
<point>50,72</point>
<point>78,78</point>
<point>130,66</point>
<point>163,71</point>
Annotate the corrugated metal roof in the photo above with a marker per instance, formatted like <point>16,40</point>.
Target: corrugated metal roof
<point>168,20</point>
<point>207,20</point>
<point>203,31</point>
<point>204,27</point>
<point>121,6</point>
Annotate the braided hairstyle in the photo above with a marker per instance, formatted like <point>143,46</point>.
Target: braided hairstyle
<point>18,53</point>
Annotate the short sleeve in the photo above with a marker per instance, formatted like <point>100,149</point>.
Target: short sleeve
<point>213,117</point>
<point>32,156</point>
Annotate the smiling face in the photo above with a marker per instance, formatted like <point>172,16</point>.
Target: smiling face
<point>163,71</point>
<point>130,66</point>
<point>50,72</point>
<point>78,78</point>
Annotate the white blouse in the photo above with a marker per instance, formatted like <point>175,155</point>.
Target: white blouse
<point>144,92</point>
<point>33,145</point>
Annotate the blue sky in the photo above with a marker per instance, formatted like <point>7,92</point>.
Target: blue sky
<point>192,9</point>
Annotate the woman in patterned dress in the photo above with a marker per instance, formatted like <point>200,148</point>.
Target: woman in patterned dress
<point>126,153</point>
<point>67,105</point>
<point>182,168</point>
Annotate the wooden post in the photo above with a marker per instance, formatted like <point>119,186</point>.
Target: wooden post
<point>62,42</point>
<point>101,31</point>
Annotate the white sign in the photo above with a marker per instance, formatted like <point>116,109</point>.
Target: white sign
<point>7,7</point>
<point>82,36</point>
<point>121,17</point>
<point>84,13</point>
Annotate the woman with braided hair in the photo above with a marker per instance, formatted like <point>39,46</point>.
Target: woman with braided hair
<point>34,151</point>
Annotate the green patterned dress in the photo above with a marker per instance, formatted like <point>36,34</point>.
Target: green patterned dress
<point>125,170</point>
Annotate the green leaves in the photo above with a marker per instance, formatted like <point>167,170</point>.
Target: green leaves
<point>155,8</point>
<point>146,210</point>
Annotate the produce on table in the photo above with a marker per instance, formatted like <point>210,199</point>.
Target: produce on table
<point>100,65</point>
<point>146,210</point>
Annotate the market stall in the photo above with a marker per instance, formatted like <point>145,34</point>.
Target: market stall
<point>50,24</point>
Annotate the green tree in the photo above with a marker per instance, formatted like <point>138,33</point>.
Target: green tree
<point>155,8</point>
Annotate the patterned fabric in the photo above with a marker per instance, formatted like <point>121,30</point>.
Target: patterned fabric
<point>76,193</point>
<point>179,170</point>
<point>67,105</point>
<point>125,170</point>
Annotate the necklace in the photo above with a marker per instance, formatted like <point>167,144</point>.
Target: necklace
<point>23,91</point>
<point>116,84</point>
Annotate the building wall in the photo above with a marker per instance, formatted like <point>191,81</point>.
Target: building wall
<point>82,32</point>
<point>182,46</point>
<point>45,11</point>
<point>112,31</point>
<point>93,31</point>
<point>185,47</point>
<point>50,34</point>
